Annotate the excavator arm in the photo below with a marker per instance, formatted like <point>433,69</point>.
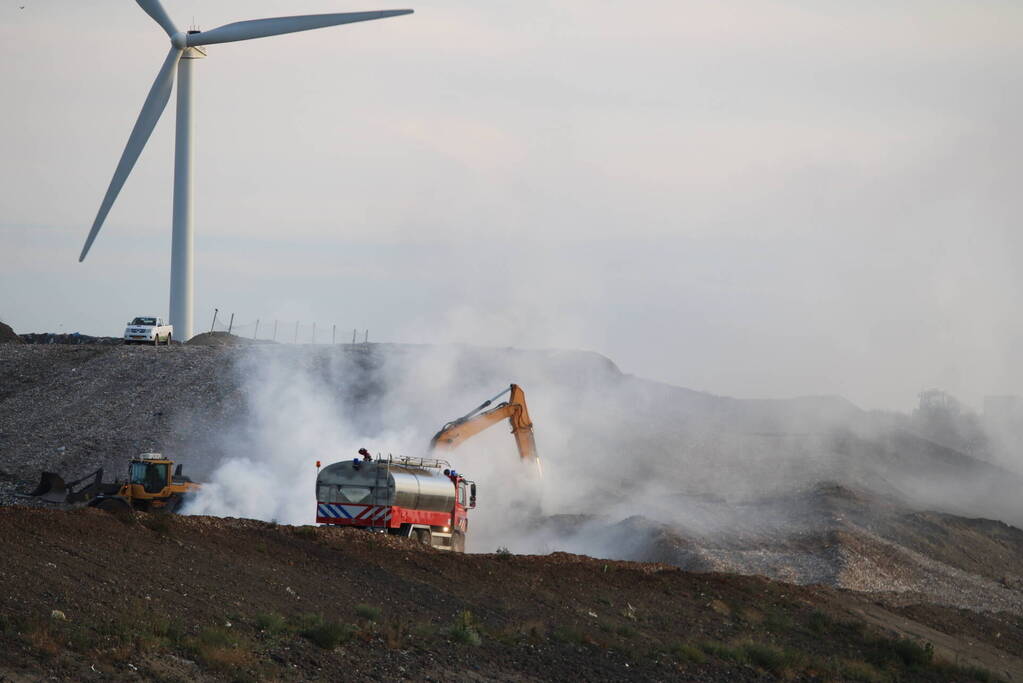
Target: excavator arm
<point>456,432</point>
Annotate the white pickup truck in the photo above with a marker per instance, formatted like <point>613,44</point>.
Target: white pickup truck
<point>148,330</point>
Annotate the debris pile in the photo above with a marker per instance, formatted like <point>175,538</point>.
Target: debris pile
<point>8,335</point>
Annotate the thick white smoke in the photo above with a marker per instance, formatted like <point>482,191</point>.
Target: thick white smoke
<point>292,419</point>
<point>619,453</point>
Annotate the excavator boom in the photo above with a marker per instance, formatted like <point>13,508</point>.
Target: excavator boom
<point>456,432</point>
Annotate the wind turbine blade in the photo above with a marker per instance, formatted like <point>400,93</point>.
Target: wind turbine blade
<point>155,103</point>
<point>154,9</point>
<point>263,28</point>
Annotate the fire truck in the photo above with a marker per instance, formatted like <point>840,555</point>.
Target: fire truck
<point>423,498</point>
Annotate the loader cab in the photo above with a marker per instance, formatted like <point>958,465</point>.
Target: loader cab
<point>151,474</point>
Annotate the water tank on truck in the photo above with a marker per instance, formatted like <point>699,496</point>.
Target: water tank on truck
<point>422,498</point>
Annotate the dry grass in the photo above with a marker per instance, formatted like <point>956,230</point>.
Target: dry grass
<point>395,633</point>
<point>42,640</point>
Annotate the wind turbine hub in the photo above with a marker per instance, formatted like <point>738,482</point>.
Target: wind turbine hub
<point>180,40</point>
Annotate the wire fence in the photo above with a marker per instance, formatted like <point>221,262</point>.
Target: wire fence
<point>286,331</point>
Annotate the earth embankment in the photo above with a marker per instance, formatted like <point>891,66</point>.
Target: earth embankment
<point>93,596</point>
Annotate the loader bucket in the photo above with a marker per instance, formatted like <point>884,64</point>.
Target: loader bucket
<point>51,488</point>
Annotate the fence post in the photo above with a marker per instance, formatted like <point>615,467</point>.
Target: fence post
<point>333,335</point>
<point>230,324</point>
<point>255,335</point>
<point>275,330</point>
<point>365,340</point>
<point>296,331</point>
<point>354,332</point>
<point>215,310</point>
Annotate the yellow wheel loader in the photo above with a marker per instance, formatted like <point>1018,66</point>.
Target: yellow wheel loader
<point>154,484</point>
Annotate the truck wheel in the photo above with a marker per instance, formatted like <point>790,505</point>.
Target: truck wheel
<point>424,536</point>
<point>458,542</point>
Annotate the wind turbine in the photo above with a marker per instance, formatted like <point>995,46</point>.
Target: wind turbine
<point>186,47</point>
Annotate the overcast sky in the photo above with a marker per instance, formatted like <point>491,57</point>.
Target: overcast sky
<point>760,199</point>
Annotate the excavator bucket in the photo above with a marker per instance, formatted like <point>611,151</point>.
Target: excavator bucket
<point>53,489</point>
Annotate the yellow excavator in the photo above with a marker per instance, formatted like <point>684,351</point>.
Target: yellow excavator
<point>154,484</point>
<point>455,433</point>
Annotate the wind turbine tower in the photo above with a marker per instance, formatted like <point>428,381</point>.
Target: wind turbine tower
<point>186,48</point>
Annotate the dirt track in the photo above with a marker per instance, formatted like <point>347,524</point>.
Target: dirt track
<point>198,598</point>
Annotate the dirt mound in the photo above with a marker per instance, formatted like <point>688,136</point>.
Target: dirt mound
<point>218,339</point>
<point>8,335</point>
<point>90,596</point>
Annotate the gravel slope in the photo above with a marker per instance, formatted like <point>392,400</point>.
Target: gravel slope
<point>72,408</point>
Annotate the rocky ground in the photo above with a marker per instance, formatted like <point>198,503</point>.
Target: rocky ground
<point>829,534</point>
<point>72,408</point>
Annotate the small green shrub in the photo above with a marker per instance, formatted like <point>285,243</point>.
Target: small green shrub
<point>9,625</point>
<point>626,631</point>
<point>722,651</point>
<point>778,621</point>
<point>325,634</point>
<point>819,622</point>
<point>464,630</point>
<point>768,657</point>
<point>367,612</point>
<point>271,622</point>
<point>214,636</point>
<point>857,670</point>
<point>567,634</point>
<point>117,630</point>
<point>172,631</point>
<point>81,638</point>
<point>688,652</point>
<point>904,651</point>
<point>395,633</point>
